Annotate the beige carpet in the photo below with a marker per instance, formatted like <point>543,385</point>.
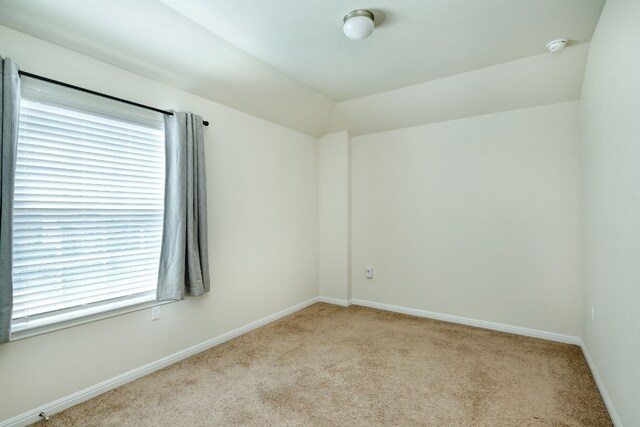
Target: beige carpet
<point>327,366</point>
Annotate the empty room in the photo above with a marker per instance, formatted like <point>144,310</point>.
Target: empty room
<point>317,213</point>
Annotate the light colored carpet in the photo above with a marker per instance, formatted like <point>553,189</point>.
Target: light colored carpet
<point>328,365</point>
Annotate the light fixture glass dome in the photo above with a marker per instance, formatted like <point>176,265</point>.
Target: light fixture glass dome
<point>358,24</point>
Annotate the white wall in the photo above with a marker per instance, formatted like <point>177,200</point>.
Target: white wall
<point>263,228</point>
<point>477,217</point>
<point>334,171</point>
<point>611,165</point>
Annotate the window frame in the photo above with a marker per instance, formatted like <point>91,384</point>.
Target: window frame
<point>56,320</point>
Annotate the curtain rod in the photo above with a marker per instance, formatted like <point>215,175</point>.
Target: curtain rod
<point>93,92</point>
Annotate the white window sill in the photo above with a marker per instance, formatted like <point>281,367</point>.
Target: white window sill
<point>30,328</point>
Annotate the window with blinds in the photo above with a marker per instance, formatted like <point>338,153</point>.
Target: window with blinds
<point>88,209</point>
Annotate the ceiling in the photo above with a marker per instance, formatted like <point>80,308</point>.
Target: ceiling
<point>287,60</point>
<point>416,40</point>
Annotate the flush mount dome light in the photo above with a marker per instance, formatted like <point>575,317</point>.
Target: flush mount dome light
<point>358,24</point>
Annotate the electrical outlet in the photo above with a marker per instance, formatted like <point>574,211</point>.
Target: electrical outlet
<point>593,313</point>
<point>369,272</point>
<point>155,312</point>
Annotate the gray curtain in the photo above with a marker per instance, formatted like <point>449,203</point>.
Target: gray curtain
<point>9,113</point>
<point>184,258</point>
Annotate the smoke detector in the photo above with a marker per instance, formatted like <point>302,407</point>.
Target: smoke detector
<point>556,45</point>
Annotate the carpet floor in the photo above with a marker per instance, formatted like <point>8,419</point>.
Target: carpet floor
<point>329,365</point>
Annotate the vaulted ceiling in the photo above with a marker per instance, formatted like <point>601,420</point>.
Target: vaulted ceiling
<point>287,60</point>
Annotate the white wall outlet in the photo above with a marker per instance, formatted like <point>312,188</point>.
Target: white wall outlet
<point>155,312</point>
<point>593,313</point>
<point>369,272</point>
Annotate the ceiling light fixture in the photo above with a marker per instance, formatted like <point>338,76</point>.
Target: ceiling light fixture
<point>556,45</point>
<point>358,24</point>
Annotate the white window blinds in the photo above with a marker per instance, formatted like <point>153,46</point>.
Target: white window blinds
<point>88,209</point>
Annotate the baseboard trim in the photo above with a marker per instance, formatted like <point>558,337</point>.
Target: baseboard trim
<point>89,392</point>
<point>335,301</point>
<point>518,330</point>
<point>603,391</point>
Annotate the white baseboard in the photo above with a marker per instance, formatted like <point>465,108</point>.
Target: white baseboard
<point>518,330</point>
<point>336,301</point>
<point>603,391</point>
<point>89,392</point>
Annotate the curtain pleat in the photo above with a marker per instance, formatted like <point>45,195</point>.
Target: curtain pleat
<point>9,113</point>
<point>184,258</point>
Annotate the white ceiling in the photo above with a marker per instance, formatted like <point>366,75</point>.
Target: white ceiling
<point>287,60</point>
<point>417,40</point>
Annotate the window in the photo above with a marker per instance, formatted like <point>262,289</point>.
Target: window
<point>88,209</point>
